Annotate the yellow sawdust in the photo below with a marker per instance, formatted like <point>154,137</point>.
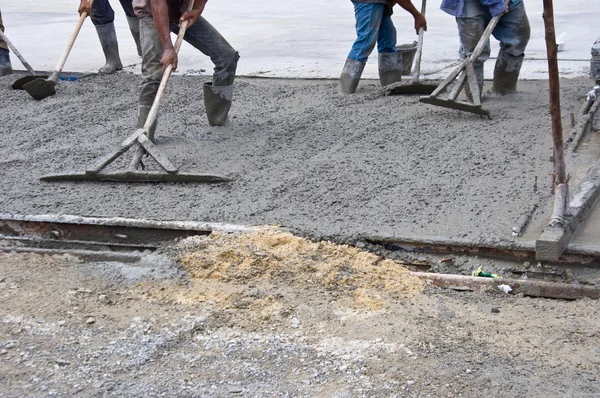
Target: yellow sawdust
<point>270,254</point>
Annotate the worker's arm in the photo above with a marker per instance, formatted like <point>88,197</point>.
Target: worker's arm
<point>160,14</point>
<point>84,6</point>
<point>193,15</point>
<point>420,21</point>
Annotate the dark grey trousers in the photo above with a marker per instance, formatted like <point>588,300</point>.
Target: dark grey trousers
<point>203,36</point>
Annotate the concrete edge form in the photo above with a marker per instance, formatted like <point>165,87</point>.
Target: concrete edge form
<point>525,287</point>
<point>555,239</point>
<point>128,222</point>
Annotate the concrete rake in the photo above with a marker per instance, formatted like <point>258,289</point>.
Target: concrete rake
<point>465,73</point>
<point>144,145</point>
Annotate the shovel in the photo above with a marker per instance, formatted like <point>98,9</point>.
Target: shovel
<point>415,86</point>
<point>30,70</point>
<point>40,88</point>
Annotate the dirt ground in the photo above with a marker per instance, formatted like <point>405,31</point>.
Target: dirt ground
<point>274,315</point>
<point>341,168</point>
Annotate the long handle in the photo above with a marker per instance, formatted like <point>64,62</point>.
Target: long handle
<point>17,53</point>
<point>485,36</point>
<point>166,74</point>
<point>417,69</point>
<point>63,58</point>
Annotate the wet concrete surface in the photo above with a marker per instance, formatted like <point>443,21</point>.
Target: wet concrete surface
<point>301,156</point>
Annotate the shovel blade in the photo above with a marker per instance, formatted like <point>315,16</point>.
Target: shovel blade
<point>40,88</point>
<point>20,82</point>
<point>414,88</point>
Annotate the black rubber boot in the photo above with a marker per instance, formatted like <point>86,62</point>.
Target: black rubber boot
<point>390,68</point>
<point>134,27</point>
<point>350,76</point>
<point>5,65</point>
<point>506,74</point>
<point>110,46</point>
<point>217,101</point>
<point>143,111</point>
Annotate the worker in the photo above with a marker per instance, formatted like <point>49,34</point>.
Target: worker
<point>158,18</point>
<point>374,26</point>
<point>103,18</point>
<point>594,62</point>
<point>512,30</point>
<point>5,65</point>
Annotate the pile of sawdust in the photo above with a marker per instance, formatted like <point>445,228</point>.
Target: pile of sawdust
<point>270,254</point>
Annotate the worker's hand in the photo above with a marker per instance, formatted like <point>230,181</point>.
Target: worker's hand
<point>420,22</point>
<point>505,10</point>
<point>191,16</point>
<point>84,6</point>
<point>169,57</point>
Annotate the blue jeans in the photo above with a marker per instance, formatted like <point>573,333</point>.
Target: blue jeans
<point>102,12</point>
<point>512,31</point>
<point>372,26</point>
<point>201,35</point>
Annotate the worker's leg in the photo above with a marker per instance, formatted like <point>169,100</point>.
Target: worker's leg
<point>219,93</point>
<point>470,30</point>
<point>390,60</point>
<point>151,70</point>
<point>595,62</point>
<point>134,24</point>
<point>513,33</point>
<point>103,17</point>
<point>5,65</point>
<point>368,20</point>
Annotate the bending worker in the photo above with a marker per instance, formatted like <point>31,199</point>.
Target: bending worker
<point>374,26</point>
<point>103,18</point>
<point>158,18</point>
<point>5,65</point>
<point>472,17</point>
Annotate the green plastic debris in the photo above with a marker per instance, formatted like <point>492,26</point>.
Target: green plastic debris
<point>480,272</point>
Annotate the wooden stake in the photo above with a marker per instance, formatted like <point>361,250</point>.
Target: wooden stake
<point>557,133</point>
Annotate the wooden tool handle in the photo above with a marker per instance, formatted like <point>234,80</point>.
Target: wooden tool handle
<point>417,69</point>
<point>17,53</point>
<point>167,73</point>
<point>65,55</point>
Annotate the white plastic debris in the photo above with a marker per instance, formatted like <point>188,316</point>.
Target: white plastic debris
<point>505,288</point>
<point>560,42</point>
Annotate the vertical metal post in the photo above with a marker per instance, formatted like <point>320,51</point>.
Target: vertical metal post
<point>557,133</point>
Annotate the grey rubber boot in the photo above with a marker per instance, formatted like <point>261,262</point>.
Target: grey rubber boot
<point>217,101</point>
<point>595,62</point>
<point>143,111</point>
<point>350,76</point>
<point>134,27</point>
<point>506,74</point>
<point>479,75</point>
<point>5,65</point>
<point>110,46</point>
<point>390,68</point>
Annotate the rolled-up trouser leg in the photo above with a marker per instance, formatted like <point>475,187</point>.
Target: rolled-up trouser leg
<point>218,94</point>
<point>5,65</point>
<point>151,69</point>
<point>513,32</point>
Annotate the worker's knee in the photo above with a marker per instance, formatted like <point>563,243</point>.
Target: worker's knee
<point>225,67</point>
